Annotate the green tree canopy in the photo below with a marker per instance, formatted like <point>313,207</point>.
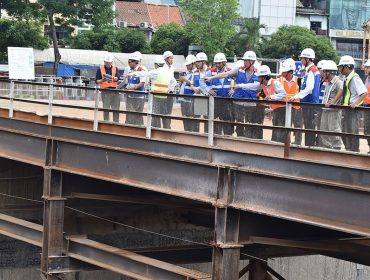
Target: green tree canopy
<point>19,34</point>
<point>171,37</point>
<point>64,13</point>
<point>289,41</point>
<point>114,40</point>
<point>210,22</point>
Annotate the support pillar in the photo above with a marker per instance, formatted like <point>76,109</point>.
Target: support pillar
<point>258,271</point>
<point>52,240</point>
<point>226,251</point>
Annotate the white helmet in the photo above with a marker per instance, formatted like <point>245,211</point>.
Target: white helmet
<point>134,56</point>
<point>308,53</point>
<point>367,63</point>
<point>139,55</point>
<point>287,65</point>
<point>264,70</point>
<point>346,60</point>
<point>219,57</point>
<point>320,64</point>
<point>329,65</point>
<point>190,59</point>
<point>251,55</point>
<point>167,54</point>
<point>159,60</point>
<point>108,57</point>
<point>201,57</point>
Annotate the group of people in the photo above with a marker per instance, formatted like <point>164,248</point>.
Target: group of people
<point>236,88</point>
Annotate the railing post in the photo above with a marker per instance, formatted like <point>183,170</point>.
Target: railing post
<point>149,118</point>
<point>288,124</point>
<point>11,102</point>
<point>211,116</point>
<point>96,110</point>
<point>50,111</point>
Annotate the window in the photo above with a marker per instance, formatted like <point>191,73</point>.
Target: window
<point>315,26</point>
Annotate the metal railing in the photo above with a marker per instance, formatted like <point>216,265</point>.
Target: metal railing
<point>211,117</point>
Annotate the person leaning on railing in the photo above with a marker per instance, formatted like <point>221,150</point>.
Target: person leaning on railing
<point>367,103</point>
<point>353,94</point>
<point>106,77</point>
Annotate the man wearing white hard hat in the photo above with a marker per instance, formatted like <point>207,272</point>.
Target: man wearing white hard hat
<point>331,118</point>
<point>323,81</point>
<point>353,94</point>
<point>245,112</point>
<point>136,78</point>
<point>187,88</point>
<point>221,88</point>
<point>310,92</point>
<point>106,77</point>
<point>273,90</point>
<point>168,57</point>
<point>161,79</point>
<point>291,87</point>
<point>367,102</point>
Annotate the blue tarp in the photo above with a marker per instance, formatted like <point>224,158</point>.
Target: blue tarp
<point>68,69</point>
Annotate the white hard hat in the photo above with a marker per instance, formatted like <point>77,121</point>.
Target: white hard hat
<point>346,60</point>
<point>264,70</point>
<point>320,64</point>
<point>134,56</point>
<point>190,59</point>
<point>139,55</point>
<point>308,53</point>
<point>201,57</point>
<point>256,65</point>
<point>251,55</point>
<point>167,54</point>
<point>159,60</point>
<point>329,65</point>
<point>108,57</point>
<point>367,63</point>
<point>287,65</point>
<point>219,57</point>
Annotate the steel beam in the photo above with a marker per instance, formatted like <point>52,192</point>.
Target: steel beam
<point>127,263</point>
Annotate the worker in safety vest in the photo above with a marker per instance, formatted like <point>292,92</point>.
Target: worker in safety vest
<point>273,90</point>
<point>106,77</point>
<point>160,79</point>
<point>245,111</point>
<point>136,78</point>
<point>221,88</point>
<point>367,102</point>
<point>291,88</point>
<point>309,93</point>
<point>168,58</point>
<point>331,118</point>
<point>187,88</point>
<point>353,94</point>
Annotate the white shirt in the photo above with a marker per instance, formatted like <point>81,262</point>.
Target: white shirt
<point>310,84</point>
<point>172,71</point>
<point>357,88</point>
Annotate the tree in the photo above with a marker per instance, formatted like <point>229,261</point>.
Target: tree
<point>19,34</point>
<point>289,41</point>
<point>66,13</point>
<point>125,40</point>
<point>210,22</point>
<point>171,37</point>
<point>249,37</point>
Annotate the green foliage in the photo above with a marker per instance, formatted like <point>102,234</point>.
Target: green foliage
<point>19,34</point>
<point>114,40</point>
<point>289,41</point>
<point>210,22</point>
<point>171,37</point>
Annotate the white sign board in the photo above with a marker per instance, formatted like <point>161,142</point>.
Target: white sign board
<point>21,63</point>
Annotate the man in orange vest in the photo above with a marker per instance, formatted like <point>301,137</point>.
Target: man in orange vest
<point>367,102</point>
<point>106,77</point>
<point>290,85</point>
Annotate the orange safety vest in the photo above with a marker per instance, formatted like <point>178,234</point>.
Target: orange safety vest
<point>108,84</point>
<point>291,89</point>
<point>367,98</point>
<point>272,92</point>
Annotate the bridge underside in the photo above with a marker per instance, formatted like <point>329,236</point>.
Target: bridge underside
<point>143,207</point>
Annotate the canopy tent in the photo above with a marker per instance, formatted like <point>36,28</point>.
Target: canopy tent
<point>78,57</point>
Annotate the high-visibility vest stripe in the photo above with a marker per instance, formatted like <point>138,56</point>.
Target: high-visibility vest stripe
<point>107,84</point>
